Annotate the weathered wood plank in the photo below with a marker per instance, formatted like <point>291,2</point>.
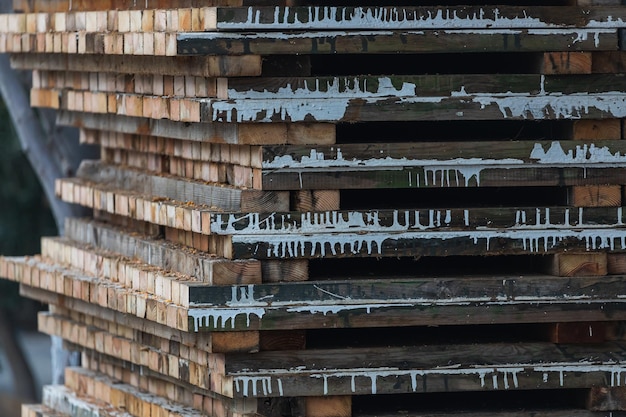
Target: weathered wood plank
<point>161,253</point>
<point>561,152</point>
<point>425,369</point>
<point>72,283</point>
<point>222,66</point>
<point>123,395</point>
<point>368,42</point>
<point>389,302</point>
<point>450,107</point>
<point>396,290</point>
<point>368,86</point>
<point>207,373</point>
<point>527,412</point>
<point>359,86</point>
<point>412,17</point>
<point>445,176</point>
<point>471,304</point>
<point>428,243</point>
<point>417,220</point>
<point>213,196</point>
<point>247,134</point>
<point>453,164</point>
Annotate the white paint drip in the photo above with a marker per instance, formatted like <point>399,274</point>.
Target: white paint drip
<point>220,317</point>
<point>249,385</point>
<point>329,17</point>
<point>615,369</point>
<point>337,87</point>
<point>509,375</point>
<point>534,240</point>
<point>448,172</point>
<point>332,221</point>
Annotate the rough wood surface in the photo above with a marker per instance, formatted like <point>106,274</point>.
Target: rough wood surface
<point>335,406</point>
<point>606,399</point>
<point>580,332</point>
<point>578,264</point>
<point>368,41</point>
<point>425,369</point>
<point>172,66</point>
<point>567,63</point>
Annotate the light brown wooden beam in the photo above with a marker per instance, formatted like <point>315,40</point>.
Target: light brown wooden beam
<point>242,134</point>
<point>144,65</point>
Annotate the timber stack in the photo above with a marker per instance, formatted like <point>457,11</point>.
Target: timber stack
<point>306,210</point>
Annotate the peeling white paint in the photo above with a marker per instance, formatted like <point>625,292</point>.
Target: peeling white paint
<point>559,106</point>
<point>296,109</point>
<point>317,159</point>
<point>582,154</point>
<point>337,87</point>
<point>330,17</point>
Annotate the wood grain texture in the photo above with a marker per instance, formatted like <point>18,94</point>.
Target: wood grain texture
<point>336,406</point>
<point>596,196</point>
<point>567,63</point>
<point>582,332</point>
<point>578,264</point>
<point>172,66</point>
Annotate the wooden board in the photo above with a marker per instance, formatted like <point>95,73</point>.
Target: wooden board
<point>208,370</point>
<point>446,243</point>
<point>450,368</point>
<point>34,272</point>
<point>160,253</point>
<point>456,107</point>
<point>248,66</point>
<point>163,283</point>
<point>433,164</point>
<point>391,301</point>
<point>370,86</point>
<point>158,209</point>
<point>246,134</point>
<point>369,41</point>
<point>412,17</point>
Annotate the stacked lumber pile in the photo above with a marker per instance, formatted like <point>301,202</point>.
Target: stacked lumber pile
<point>334,211</point>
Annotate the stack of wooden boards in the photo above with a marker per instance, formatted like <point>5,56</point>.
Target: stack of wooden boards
<point>334,211</point>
